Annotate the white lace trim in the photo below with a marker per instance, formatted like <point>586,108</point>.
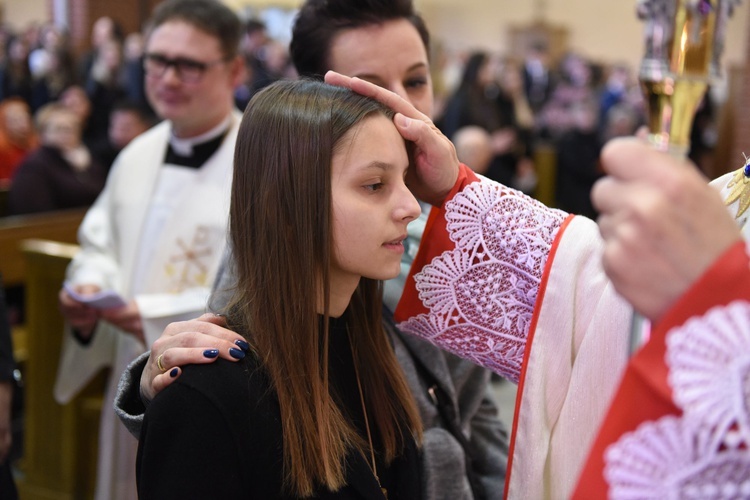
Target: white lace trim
<point>481,295</point>
<point>705,453</point>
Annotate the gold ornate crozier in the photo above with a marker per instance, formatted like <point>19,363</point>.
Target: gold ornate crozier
<point>684,41</point>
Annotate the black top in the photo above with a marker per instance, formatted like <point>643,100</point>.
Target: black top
<point>216,433</point>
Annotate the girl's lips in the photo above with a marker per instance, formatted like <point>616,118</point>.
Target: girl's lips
<point>397,241</point>
<point>397,244</point>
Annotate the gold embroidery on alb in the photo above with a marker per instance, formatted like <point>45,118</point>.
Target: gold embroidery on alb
<point>188,267</point>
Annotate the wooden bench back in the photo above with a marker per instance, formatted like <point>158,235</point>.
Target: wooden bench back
<point>59,226</point>
<point>60,441</point>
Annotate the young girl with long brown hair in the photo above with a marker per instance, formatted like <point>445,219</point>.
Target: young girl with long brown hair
<point>320,407</point>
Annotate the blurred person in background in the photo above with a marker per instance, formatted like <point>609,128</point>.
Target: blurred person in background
<point>474,148</point>
<point>573,86</point>
<point>59,74</point>
<point>482,100</point>
<point>266,61</point>
<point>133,77</point>
<point>61,173</point>
<point>614,91</point>
<point>127,121</point>
<point>578,160</point>
<point>15,75</point>
<point>75,99</point>
<point>52,66</point>
<point>104,30</point>
<point>104,85</point>
<point>537,77</point>
<point>17,136</point>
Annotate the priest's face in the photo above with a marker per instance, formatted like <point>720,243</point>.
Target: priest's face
<point>189,81</point>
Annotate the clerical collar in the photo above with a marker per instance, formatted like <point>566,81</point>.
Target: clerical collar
<point>193,152</point>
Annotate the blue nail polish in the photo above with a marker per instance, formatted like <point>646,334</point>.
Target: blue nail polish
<point>174,372</point>
<point>236,353</point>
<point>242,345</point>
<point>211,353</point>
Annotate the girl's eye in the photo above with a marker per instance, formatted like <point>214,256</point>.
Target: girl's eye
<point>374,187</point>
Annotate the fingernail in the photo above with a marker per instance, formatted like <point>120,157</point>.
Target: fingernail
<point>236,353</point>
<point>403,120</point>
<point>174,372</point>
<point>242,345</point>
<point>211,353</point>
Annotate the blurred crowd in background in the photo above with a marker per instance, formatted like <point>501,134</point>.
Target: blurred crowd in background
<point>65,116</point>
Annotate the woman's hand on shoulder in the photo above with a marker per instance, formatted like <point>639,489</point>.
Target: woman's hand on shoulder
<point>199,341</point>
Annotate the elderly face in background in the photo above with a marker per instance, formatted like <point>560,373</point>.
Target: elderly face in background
<point>59,128</point>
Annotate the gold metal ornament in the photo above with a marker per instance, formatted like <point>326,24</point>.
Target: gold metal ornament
<point>684,41</point>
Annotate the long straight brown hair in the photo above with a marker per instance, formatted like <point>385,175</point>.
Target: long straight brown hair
<point>280,227</point>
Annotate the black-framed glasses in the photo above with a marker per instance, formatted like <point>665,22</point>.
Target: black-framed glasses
<point>188,70</point>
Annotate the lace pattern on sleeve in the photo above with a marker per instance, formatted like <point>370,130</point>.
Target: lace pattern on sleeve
<point>705,452</point>
<point>481,295</point>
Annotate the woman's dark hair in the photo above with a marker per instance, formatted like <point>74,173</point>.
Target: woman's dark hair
<point>319,21</point>
<point>281,231</point>
<point>473,66</point>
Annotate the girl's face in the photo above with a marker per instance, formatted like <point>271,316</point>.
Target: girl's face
<point>391,55</point>
<point>371,204</point>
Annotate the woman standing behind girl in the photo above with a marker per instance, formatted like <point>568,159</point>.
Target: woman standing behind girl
<point>320,408</point>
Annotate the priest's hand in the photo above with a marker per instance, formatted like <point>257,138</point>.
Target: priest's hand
<point>663,226</point>
<point>198,341</point>
<point>79,316</point>
<point>126,318</point>
<point>436,164</point>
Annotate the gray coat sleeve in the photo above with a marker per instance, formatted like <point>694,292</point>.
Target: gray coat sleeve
<point>129,406</point>
<point>487,434</point>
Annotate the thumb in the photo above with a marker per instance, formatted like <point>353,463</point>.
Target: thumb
<point>413,130</point>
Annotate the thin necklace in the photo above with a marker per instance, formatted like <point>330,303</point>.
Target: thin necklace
<point>373,465</point>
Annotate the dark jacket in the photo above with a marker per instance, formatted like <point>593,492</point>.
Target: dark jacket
<point>45,182</point>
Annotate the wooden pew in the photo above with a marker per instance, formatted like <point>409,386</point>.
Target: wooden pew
<point>59,226</point>
<point>545,161</point>
<point>60,441</point>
